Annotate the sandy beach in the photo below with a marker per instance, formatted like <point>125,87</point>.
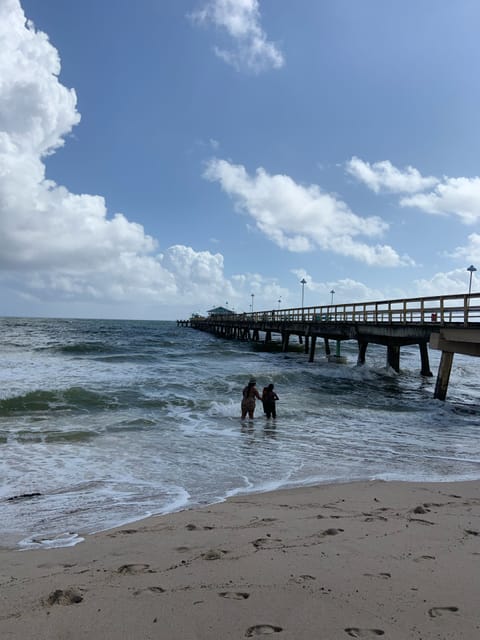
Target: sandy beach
<point>360,560</point>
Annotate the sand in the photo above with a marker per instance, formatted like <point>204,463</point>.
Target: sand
<point>362,560</point>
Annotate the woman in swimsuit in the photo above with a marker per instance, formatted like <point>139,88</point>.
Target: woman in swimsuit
<point>248,400</point>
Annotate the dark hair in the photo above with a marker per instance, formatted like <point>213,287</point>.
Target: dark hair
<point>270,386</point>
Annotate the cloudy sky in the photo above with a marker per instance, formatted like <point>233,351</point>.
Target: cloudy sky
<point>161,157</point>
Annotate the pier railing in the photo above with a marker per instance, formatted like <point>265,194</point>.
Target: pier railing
<point>450,324</point>
<point>457,308</point>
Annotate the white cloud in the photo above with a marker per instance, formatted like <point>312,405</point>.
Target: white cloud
<point>36,111</point>
<point>385,176</point>
<point>450,196</point>
<point>453,196</point>
<point>469,253</point>
<point>445,283</point>
<point>56,245</point>
<point>345,290</point>
<point>241,20</point>
<point>266,291</point>
<point>301,218</point>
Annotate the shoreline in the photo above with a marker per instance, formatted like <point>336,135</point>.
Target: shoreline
<point>77,537</point>
<point>363,559</point>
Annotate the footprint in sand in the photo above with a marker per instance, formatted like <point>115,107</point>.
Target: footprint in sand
<point>69,596</point>
<point>265,543</point>
<point>213,554</point>
<point>426,557</point>
<point>331,532</point>
<point>355,632</point>
<point>122,532</point>
<point>260,542</point>
<point>261,630</point>
<point>234,595</point>
<point>420,509</point>
<point>373,517</point>
<point>434,612</point>
<point>150,590</point>
<point>421,521</point>
<point>130,569</point>
<point>301,579</point>
<point>268,520</point>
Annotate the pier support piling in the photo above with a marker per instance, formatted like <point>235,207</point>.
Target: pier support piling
<point>393,357</point>
<point>327,346</point>
<point>424,360</point>
<point>312,348</point>
<point>443,375</point>
<point>362,350</point>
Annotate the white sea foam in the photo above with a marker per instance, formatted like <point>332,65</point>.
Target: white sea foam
<point>59,540</point>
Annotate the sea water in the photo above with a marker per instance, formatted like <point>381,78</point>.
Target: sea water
<point>104,422</point>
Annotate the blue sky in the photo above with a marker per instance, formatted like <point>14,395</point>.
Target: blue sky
<point>161,157</point>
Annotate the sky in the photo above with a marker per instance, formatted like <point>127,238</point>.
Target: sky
<point>163,157</point>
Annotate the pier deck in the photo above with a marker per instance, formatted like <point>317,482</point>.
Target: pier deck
<point>449,323</point>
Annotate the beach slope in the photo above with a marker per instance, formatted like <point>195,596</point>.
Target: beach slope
<point>361,560</point>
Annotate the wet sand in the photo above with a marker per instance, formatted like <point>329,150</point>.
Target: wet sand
<point>362,560</point>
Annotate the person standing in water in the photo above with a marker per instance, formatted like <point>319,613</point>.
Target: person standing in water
<point>250,393</point>
<point>269,397</point>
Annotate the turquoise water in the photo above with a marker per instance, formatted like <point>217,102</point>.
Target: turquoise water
<point>104,422</point>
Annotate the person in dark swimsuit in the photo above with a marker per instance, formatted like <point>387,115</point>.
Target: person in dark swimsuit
<point>269,397</point>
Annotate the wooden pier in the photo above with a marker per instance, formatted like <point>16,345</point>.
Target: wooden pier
<point>449,323</point>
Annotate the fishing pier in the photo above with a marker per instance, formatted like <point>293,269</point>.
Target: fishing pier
<point>449,323</point>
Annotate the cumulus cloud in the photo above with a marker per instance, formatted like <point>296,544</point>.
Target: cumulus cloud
<point>384,176</point>
<point>56,245</point>
<point>301,218</point>
<point>445,283</point>
<point>453,196</point>
<point>458,197</point>
<point>346,290</point>
<point>36,111</point>
<point>470,252</point>
<point>241,20</point>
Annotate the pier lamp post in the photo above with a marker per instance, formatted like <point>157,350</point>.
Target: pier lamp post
<point>303,282</point>
<point>332,292</point>
<point>471,268</point>
<point>252,296</point>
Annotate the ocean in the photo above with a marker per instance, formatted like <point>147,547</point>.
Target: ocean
<point>103,422</point>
